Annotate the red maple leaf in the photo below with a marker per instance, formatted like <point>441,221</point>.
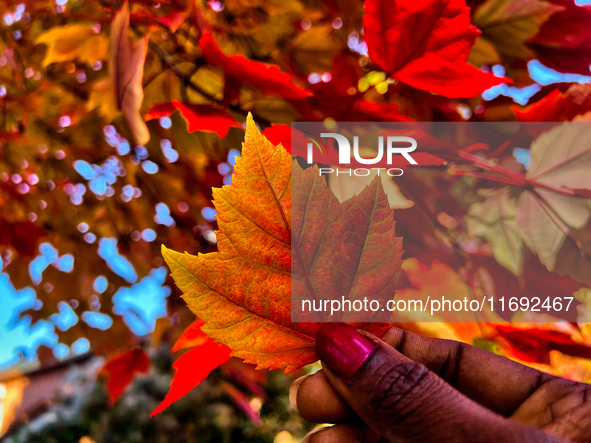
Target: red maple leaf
<point>557,106</point>
<point>425,44</point>
<point>534,345</point>
<point>238,69</point>
<point>191,369</point>
<point>206,118</point>
<point>160,110</point>
<point>278,133</point>
<point>121,368</point>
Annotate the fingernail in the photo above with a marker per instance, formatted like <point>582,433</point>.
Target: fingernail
<point>310,435</point>
<point>293,391</point>
<point>342,348</point>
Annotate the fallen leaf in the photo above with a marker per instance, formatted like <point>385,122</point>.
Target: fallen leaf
<point>246,285</point>
<point>425,44</point>
<point>127,72</point>
<point>191,369</point>
<point>74,42</point>
<point>494,219</point>
<point>237,68</point>
<point>341,249</point>
<point>121,368</point>
<point>560,158</point>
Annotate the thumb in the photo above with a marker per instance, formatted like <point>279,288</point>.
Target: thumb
<point>402,400</point>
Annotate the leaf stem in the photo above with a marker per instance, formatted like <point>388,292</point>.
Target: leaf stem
<point>514,178</point>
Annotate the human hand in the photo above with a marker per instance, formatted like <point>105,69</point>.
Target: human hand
<point>408,388</point>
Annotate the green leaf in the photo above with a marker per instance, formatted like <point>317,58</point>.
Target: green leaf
<point>560,159</point>
<point>573,259</point>
<point>494,219</point>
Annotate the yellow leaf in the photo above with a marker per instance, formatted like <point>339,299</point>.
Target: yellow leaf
<point>71,42</point>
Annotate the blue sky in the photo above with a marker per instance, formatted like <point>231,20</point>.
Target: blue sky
<point>540,74</point>
<point>139,305</point>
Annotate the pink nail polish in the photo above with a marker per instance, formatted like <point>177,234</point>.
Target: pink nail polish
<point>342,348</point>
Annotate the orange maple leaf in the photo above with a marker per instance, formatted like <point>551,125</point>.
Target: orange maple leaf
<point>243,291</point>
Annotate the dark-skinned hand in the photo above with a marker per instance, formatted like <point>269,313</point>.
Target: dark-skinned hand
<point>408,388</point>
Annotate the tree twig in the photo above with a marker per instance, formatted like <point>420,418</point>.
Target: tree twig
<point>167,59</point>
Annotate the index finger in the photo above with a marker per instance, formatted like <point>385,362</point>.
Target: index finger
<point>494,381</point>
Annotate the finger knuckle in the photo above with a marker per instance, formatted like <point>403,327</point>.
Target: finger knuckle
<point>397,386</point>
